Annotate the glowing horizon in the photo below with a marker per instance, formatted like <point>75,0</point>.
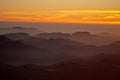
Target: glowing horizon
<point>65,16</point>
<point>61,11</point>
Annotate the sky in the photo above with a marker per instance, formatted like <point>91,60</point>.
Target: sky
<point>61,11</point>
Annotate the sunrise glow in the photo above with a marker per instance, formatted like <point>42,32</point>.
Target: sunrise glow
<point>61,11</point>
<point>67,16</point>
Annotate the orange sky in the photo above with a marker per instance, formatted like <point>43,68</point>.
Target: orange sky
<point>71,16</point>
<point>61,11</point>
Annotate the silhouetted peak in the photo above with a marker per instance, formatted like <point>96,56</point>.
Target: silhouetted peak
<point>82,33</point>
<point>53,35</point>
<point>17,36</point>
<point>107,34</point>
<point>117,43</point>
<point>19,27</point>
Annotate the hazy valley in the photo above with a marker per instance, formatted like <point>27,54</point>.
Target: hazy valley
<point>59,56</point>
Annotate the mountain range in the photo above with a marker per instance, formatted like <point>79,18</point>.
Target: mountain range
<point>25,57</point>
<point>84,37</point>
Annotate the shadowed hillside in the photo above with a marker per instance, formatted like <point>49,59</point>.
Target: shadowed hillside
<point>31,58</point>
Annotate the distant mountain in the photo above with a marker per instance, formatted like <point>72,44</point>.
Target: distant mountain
<point>113,48</point>
<point>26,49</point>
<point>106,34</point>
<point>81,34</point>
<point>31,31</point>
<point>64,48</point>
<point>51,43</point>
<point>116,43</point>
<point>53,35</point>
<point>34,50</point>
<point>22,28</point>
<point>17,36</point>
<point>58,59</point>
<point>16,52</point>
<point>59,47</point>
<point>84,37</point>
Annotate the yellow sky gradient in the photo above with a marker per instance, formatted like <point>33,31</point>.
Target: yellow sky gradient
<point>65,16</point>
<point>61,11</point>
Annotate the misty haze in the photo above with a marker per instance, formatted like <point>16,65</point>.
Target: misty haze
<point>58,55</point>
<point>59,40</point>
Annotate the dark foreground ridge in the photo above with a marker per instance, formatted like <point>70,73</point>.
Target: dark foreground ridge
<point>33,58</point>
